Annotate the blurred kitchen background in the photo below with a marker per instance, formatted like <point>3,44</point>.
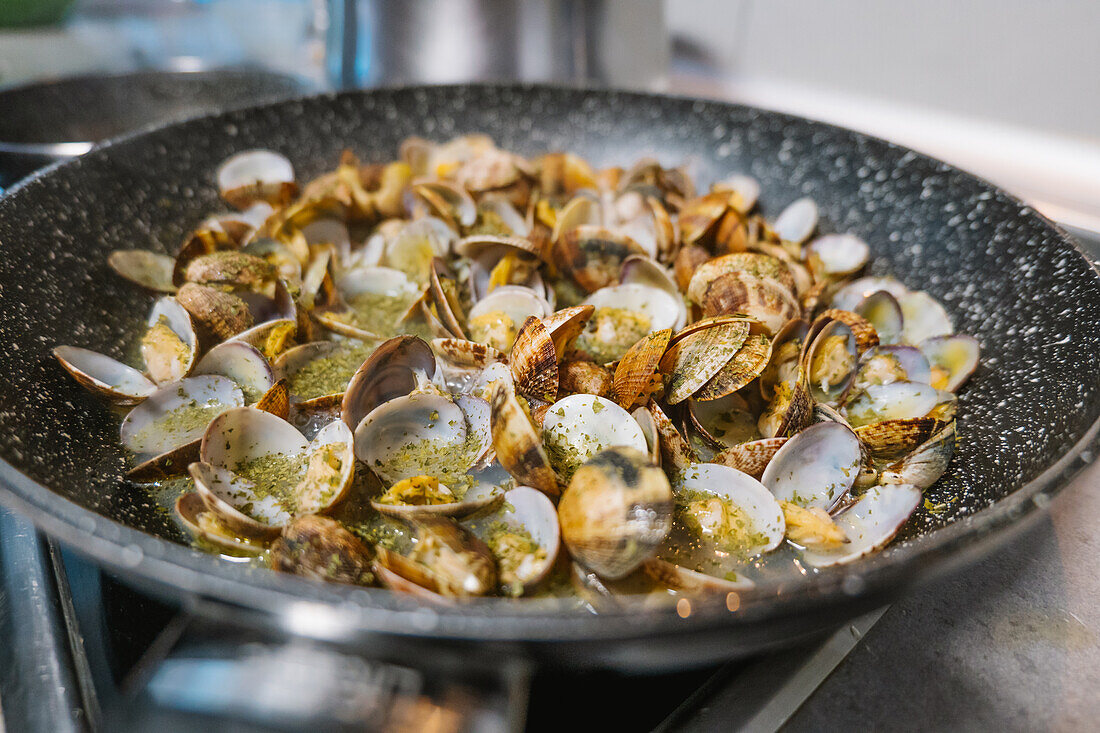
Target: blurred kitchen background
<point>1006,88</point>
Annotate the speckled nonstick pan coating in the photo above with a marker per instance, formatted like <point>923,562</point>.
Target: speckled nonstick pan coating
<point>1004,273</point>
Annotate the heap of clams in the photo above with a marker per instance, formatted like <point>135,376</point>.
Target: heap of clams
<point>465,373</point>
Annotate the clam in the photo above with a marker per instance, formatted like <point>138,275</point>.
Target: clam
<point>869,523</point>
<point>524,536</point>
<point>284,264</point>
<point>882,311</point>
<point>256,471</point>
<point>395,369</point>
<point>849,296</point>
<point>419,496</point>
<point>797,221</point>
<point>926,463</point>
<point>449,202</point>
<point>455,562</point>
<point>318,372</point>
<point>894,401</point>
<point>204,525</point>
<point>517,441</point>
<point>952,358</point>
<point>170,345</point>
<point>886,364</point>
<point>750,263</point>
<point>636,370</point>
<point>616,512</point>
<point>495,213</point>
<point>150,270</point>
<point>415,244</point>
<point>444,296</point>
<point>730,509</point>
<point>815,468</point>
<point>579,426</point>
<point>271,337</point>
<point>420,434</point>
<point>234,268</point>
<point>105,376</point>
<point>584,377</point>
<point>223,314</point>
<point>644,271</point>
<point>276,400</point>
<point>241,362</point>
<point>498,260</point>
<point>745,366</point>
<point>699,218</point>
<point>178,413</point>
<point>723,422</point>
<point>762,299</point>
<point>591,255</point>
<point>831,360</point>
<point>790,409</point>
<point>579,211</point>
<point>687,260</point>
<point>323,549</point>
<point>833,256</point>
<point>649,430</point>
<point>696,356</point>
<point>255,175</point>
<point>622,315</point>
<point>686,580</point>
<point>372,300</point>
<point>924,318</point>
<point>496,319</point>
<point>751,457</point>
<point>534,361</point>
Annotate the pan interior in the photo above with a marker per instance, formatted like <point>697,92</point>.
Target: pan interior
<point>1003,273</point>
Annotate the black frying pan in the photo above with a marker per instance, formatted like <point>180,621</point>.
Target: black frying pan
<point>1005,273</point>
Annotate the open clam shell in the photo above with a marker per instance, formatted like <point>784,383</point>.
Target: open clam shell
<point>745,366</point>
<point>749,263</point>
<point>616,512</point>
<point>150,270</point>
<point>524,511</point>
<point>644,271</point>
<point>104,376</point>
<point>790,409</point>
<point>578,211</point>
<point>837,255</point>
<point>496,319</point>
<point>686,580</point>
<point>882,311</point>
<point>178,413</point>
<point>241,362</point>
<point>891,438</point>
<point>849,296</point>
<point>831,361</point>
<point>415,435</point>
<point>783,363</point>
<point>924,318</point>
<point>757,504</point>
<point>592,256</point>
<point>649,430</point>
<point>894,401</point>
<point>886,364</point>
<point>624,313</point>
<point>566,325</point>
<point>676,453</point>
<point>371,300</point>
<point>170,345</point>
<point>797,221</point>
<point>579,426</point>
<point>204,525</point>
<point>300,366</point>
<point>448,201</point>
<point>396,368</point>
<point>700,216</point>
<point>723,422</point>
<point>454,559</point>
<point>255,175</point>
<point>322,549</point>
<point>952,359</point>
<point>815,468</point>
<point>869,523</point>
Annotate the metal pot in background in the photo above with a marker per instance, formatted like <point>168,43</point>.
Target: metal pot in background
<point>621,43</point>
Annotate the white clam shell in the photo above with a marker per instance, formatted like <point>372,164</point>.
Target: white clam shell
<point>644,271</point>
<point>884,313</point>
<point>104,375</point>
<point>815,468</point>
<point>840,254</point>
<point>924,318</point>
<point>661,308</point>
<point>241,362</point>
<point>178,320</point>
<point>582,425</point>
<point>746,493</point>
<point>797,222</point>
<point>254,166</point>
<point>149,428</point>
<point>957,354</point>
<point>894,401</point>
<point>869,523</point>
<point>747,187</point>
<point>394,425</point>
<point>515,301</point>
<point>529,509</point>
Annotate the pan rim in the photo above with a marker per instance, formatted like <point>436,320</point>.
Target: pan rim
<point>160,562</point>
